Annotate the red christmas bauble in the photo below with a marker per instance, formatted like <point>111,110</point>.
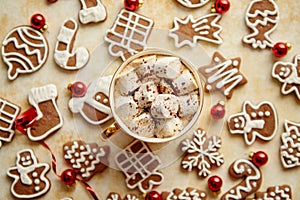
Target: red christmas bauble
<point>215,183</point>
<point>222,6</point>
<point>78,89</point>
<point>217,111</point>
<point>259,158</point>
<point>153,195</point>
<point>131,5</point>
<point>38,21</point>
<point>280,49</point>
<point>68,177</point>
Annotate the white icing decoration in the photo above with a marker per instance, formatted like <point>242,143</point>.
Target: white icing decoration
<point>190,4</point>
<point>216,59</point>
<point>198,24</point>
<point>92,14</point>
<point>37,181</point>
<point>76,104</point>
<point>289,160</point>
<point>61,57</point>
<point>23,175</point>
<point>266,18</point>
<point>290,76</point>
<point>127,38</point>
<point>38,95</point>
<point>251,124</point>
<point>24,32</point>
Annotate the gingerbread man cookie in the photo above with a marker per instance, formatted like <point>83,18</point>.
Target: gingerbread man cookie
<point>29,176</point>
<point>282,192</point>
<point>223,75</point>
<point>188,193</point>
<point>254,121</point>
<point>290,147</point>
<point>262,18</point>
<point>94,105</point>
<point>8,115</point>
<point>140,166</point>
<point>289,75</point>
<point>24,50</point>
<point>86,158</point>
<point>202,153</point>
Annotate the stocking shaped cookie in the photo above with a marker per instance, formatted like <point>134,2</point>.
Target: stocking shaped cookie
<point>29,176</point>
<point>86,158</point>
<point>140,166</point>
<point>8,115</point>
<point>64,55</point>
<point>48,119</point>
<point>254,121</point>
<point>289,75</point>
<point>94,105</point>
<point>91,11</point>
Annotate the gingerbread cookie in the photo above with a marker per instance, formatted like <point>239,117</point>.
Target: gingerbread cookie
<point>188,193</point>
<point>282,192</point>
<point>8,114</point>
<point>290,147</point>
<point>188,31</point>
<point>51,1</point>
<point>129,34</point>
<point>94,105</point>
<point>202,153</point>
<point>262,17</point>
<point>24,50</point>
<point>86,159</point>
<point>140,166</point>
<point>289,75</point>
<point>116,196</point>
<point>92,11</point>
<point>48,119</point>
<point>29,176</point>
<point>223,75</point>
<point>64,55</point>
<point>251,176</point>
<point>193,3</point>
<point>254,121</point>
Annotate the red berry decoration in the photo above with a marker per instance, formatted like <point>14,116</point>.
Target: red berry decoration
<point>78,89</point>
<point>218,111</point>
<point>259,158</point>
<point>38,21</point>
<point>214,183</point>
<point>222,6</point>
<point>132,5</point>
<point>153,195</point>
<point>280,49</point>
<point>68,177</point>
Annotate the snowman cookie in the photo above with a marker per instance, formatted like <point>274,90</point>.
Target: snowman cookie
<point>254,121</point>
<point>29,176</point>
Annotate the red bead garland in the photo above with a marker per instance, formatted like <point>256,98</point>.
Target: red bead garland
<point>218,111</point>
<point>68,177</point>
<point>280,49</point>
<point>214,183</point>
<point>259,158</point>
<point>153,195</point>
<point>222,6</point>
<point>38,21</point>
<point>78,89</point>
<point>25,120</point>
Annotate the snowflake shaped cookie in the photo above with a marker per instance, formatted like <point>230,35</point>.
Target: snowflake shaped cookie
<point>202,153</point>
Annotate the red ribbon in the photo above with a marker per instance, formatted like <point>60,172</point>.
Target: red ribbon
<point>28,119</point>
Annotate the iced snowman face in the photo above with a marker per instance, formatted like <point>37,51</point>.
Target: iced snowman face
<point>237,123</point>
<point>25,159</point>
<point>282,71</point>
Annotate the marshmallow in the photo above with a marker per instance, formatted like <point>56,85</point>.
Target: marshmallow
<point>188,104</point>
<point>168,127</point>
<point>146,94</point>
<point>127,82</point>
<point>164,106</point>
<point>168,67</point>
<point>126,108</point>
<point>142,125</point>
<point>144,66</point>
<point>164,87</point>
<point>185,83</point>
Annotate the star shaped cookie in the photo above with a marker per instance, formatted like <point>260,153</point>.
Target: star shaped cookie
<point>223,75</point>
